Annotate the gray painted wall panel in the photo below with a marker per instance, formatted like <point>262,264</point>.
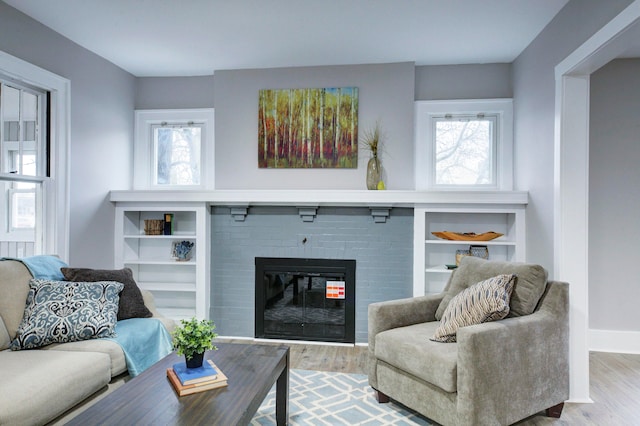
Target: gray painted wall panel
<point>473,81</point>
<point>614,200</point>
<point>102,100</point>
<point>174,92</point>
<point>385,93</point>
<point>534,112</point>
<point>383,254</point>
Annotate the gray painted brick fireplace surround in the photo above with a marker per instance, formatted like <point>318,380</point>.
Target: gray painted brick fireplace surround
<point>383,253</point>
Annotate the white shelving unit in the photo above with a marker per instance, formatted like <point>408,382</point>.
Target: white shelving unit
<point>180,288</point>
<point>432,254</point>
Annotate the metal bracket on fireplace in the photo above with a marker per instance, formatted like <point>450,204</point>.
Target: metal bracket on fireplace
<point>308,214</point>
<point>239,213</point>
<point>380,214</point>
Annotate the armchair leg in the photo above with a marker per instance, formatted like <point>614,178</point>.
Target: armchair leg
<point>555,411</point>
<point>380,397</point>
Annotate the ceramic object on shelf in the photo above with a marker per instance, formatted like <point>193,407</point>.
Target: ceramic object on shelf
<point>182,250</point>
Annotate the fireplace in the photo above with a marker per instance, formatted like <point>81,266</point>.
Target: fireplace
<point>305,299</point>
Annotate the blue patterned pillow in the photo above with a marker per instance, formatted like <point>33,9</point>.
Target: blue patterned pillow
<point>62,311</point>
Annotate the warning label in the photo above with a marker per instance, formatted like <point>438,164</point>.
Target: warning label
<point>335,289</point>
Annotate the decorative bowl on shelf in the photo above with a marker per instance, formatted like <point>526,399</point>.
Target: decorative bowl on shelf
<point>467,236</point>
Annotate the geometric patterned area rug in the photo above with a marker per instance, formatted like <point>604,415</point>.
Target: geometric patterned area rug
<point>335,399</point>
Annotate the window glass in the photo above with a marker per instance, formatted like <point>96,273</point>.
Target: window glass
<point>464,151</point>
<point>22,145</point>
<point>177,153</point>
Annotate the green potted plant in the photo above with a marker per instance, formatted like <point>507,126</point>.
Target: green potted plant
<point>193,338</point>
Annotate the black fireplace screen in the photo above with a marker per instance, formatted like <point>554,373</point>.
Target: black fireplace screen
<point>305,299</point>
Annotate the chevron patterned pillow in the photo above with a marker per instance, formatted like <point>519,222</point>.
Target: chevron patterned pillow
<point>482,302</point>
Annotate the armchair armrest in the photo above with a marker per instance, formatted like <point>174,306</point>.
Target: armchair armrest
<point>516,365</point>
<point>400,313</point>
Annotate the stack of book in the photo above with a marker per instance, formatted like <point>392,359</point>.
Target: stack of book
<point>192,380</point>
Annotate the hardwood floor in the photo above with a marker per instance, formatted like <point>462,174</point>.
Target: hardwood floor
<point>614,383</point>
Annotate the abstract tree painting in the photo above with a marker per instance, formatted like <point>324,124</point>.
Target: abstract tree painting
<point>308,128</point>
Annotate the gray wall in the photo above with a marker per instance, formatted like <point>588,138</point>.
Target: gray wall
<point>101,129</point>
<point>385,94</point>
<point>614,200</point>
<point>383,254</point>
<point>534,112</point>
<point>174,92</point>
<point>473,81</point>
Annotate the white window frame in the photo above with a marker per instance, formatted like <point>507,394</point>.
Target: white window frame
<point>144,156</point>
<point>53,236</point>
<point>426,111</point>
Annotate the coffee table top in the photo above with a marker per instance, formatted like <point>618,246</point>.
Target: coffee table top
<point>150,398</point>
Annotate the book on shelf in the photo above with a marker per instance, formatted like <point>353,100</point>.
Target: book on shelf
<point>182,390</point>
<point>168,224</point>
<point>189,376</point>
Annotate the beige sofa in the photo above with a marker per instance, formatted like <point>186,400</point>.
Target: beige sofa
<point>39,385</point>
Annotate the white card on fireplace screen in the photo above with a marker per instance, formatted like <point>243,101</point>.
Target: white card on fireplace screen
<point>335,289</point>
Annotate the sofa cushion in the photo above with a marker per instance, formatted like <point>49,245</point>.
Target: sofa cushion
<point>430,361</point>
<point>38,386</point>
<point>5,340</point>
<point>14,287</point>
<point>485,301</point>
<point>531,281</point>
<point>105,346</point>
<point>61,311</point>
<point>131,301</point>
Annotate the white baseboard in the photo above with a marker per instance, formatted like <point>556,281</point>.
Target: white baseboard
<point>627,342</point>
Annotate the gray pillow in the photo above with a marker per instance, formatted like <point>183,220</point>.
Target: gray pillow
<point>63,311</point>
<point>531,281</point>
<point>131,301</point>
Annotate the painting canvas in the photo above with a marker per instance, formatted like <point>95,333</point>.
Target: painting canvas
<point>308,128</point>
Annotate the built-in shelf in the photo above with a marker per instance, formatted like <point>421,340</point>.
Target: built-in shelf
<point>431,254</point>
<point>159,262</point>
<point>180,288</point>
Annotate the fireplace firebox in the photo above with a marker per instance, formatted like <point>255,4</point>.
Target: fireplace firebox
<point>305,299</point>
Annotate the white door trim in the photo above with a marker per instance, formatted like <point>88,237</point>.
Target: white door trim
<point>571,177</point>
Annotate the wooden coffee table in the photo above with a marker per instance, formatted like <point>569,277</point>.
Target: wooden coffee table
<point>150,399</point>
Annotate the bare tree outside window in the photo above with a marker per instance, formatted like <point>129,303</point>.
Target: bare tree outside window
<point>464,151</point>
<point>178,155</point>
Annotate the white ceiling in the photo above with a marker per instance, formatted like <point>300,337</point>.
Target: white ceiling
<point>197,37</point>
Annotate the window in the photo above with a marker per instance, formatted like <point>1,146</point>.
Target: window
<point>464,145</point>
<point>33,160</point>
<point>173,149</point>
<point>23,153</point>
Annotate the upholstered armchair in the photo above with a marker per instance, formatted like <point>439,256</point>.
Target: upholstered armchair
<point>496,373</point>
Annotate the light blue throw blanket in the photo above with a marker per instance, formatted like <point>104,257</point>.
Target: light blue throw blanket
<point>43,267</point>
<point>144,342</point>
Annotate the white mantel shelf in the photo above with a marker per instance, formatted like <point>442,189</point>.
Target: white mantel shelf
<point>313,197</point>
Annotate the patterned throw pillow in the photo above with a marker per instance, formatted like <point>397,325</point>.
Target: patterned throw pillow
<point>482,302</point>
<point>62,311</point>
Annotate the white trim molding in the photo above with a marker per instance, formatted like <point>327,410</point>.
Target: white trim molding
<point>143,148</point>
<point>627,342</point>
<point>424,152</point>
<point>571,177</point>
